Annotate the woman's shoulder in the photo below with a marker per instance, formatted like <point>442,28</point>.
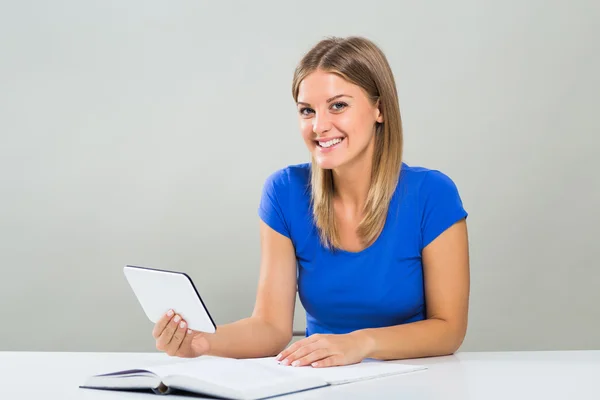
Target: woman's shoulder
<point>436,198</point>
<point>291,176</point>
<point>434,191</point>
<point>425,178</point>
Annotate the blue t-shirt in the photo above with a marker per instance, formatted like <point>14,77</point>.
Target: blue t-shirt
<point>381,285</point>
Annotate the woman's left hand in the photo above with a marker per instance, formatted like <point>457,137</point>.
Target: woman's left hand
<point>326,350</point>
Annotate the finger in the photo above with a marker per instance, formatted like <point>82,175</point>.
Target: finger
<point>167,334</point>
<point>297,345</point>
<point>186,345</point>
<point>301,352</point>
<point>178,336</point>
<point>330,361</point>
<point>290,350</point>
<point>314,356</point>
<point>162,323</point>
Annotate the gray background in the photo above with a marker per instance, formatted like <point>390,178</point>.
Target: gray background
<point>141,132</point>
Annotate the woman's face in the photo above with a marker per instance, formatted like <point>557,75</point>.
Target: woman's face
<point>337,120</point>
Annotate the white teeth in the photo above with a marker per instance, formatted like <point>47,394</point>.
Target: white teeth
<point>330,142</point>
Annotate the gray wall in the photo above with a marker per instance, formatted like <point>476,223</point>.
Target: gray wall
<point>141,132</point>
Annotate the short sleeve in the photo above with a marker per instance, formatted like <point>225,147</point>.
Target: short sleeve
<point>441,206</point>
<point>273,202</point>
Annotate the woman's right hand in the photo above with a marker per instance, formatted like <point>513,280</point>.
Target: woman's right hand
<point>174,338</point>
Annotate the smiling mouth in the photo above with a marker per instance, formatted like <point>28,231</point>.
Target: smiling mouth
<point>329,143</point>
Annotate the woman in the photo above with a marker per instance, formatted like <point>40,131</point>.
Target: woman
<point>377,249</point>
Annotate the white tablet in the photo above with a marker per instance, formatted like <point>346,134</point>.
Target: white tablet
<point>159,291</point>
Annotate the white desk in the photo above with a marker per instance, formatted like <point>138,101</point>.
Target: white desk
<point>519,375</point>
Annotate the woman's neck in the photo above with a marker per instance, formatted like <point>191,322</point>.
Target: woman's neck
<point>352,182</point>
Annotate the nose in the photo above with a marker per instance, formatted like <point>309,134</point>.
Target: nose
<point>321,124</point>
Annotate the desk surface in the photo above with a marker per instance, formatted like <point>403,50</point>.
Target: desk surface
<point>512,375</point>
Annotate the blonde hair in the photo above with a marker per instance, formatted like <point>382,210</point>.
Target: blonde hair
<point>359,61</point>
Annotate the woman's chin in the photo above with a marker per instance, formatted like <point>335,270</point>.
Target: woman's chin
<point>326,162</point>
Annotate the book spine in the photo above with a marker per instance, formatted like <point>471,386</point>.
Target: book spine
<point>162,389</point>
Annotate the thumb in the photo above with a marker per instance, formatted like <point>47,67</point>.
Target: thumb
<point>199,344</point>
<point>185,349</point>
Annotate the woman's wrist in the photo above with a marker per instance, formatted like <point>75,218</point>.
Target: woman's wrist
<point>365,341</point>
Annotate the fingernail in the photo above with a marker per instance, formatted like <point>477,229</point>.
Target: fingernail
<point>295,363</point>
<point>182,324</point>
<point>285,362</point>
<point>278,357</point>
<point>170,313</point>
<point>177,318</point>
<point>189,331</point>
<point>314,364</point>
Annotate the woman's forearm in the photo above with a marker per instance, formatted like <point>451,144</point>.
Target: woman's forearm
<point>431,337</point>
<point>247,338</point>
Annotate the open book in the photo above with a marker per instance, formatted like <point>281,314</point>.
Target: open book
<point>243,379</point>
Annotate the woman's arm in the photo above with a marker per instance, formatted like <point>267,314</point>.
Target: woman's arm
<point>269,329</point>
<point>265,333</point>
<point>447,283</point>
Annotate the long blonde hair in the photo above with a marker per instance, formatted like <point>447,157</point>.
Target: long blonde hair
<point>359,61</point>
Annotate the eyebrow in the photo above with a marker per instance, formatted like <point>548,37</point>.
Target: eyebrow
<point>329,100</point>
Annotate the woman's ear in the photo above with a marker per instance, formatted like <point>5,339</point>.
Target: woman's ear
<point>378,113</point>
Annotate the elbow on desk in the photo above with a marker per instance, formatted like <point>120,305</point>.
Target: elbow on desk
<point>282,344</point>
<point>455,340</point>
<point>450,350</point>
<point>446,348</point>
<point>453,337</point>
<point>280,341</point>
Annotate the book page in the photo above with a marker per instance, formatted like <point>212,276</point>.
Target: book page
<point>226,372</point>
<point>367,369</point>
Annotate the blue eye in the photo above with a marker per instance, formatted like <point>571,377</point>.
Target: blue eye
<point>302,110</point>
<point>341,104</point>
